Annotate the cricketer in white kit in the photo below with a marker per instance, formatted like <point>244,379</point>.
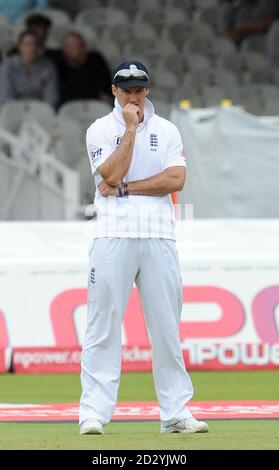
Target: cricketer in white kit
<point>137,161</point>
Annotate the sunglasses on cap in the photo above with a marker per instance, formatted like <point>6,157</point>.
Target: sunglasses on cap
<point>127,74</point>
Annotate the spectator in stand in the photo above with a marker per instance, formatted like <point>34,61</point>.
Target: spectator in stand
<point>245,17</point>
<point>39,25</point>
<point>82,74</point>
<point>13,9</point>
<point>272,45</point>
<point>26,75</point>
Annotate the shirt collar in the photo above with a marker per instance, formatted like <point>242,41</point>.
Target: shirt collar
<point>148,112</point>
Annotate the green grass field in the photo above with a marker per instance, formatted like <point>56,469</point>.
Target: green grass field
<point>234,434</point>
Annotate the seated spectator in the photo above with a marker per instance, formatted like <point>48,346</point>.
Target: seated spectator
<point>82,74</point>
<point>26,75</point>
<point>16,8</point>
<point>38,24</point>
<point>272,45</point>
<point>245,17</point>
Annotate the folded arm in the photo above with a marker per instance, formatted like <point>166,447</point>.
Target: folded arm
<point>118,163</point>
<point>168,181</point>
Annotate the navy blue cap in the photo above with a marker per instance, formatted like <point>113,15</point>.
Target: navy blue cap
<point>138,76</point>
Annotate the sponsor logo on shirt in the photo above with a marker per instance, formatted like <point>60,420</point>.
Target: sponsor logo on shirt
<point>153,142</point>
<point>117,139</point>
<point>95,152</point>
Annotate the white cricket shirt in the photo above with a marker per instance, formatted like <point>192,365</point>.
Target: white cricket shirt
<point>158,146</point>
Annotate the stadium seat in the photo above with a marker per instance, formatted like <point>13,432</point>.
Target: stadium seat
<point>199,40</point>
<point>227,81</point>
<point>201,4</point>
<point>161,49</point>
<point>202,30</point>
<point>271,107</point>
<point>68,140</point>
<point>162,108</point>
<point>88,34</point>
<point>116,36</point>
<point>275,76</point>
<point>87,186</point>
<point>231,92</point>
<point>55,36</point>
<point>73,7</point>
<point>152,52</point>
<point>210,16</point>
<point>270,91</point>
<point>179,32</point>
<point>189,93</point>
<point>133,7</point>
<point>84,111</point>
<point>4,21</point>
<point>88,3</point>
<point>254,65</point>
<point>173,63</point>
<point>161,18</point>
<point>212,96</point>
<point>138,47</point>
<point>254,43</point>
<point>187,7</point>
<point>109,49</point>
<point>198,45</point>
<point>250,97</point>
<point>196,61</point>
<point>232,61</point>
<point>250,105</point>
<point>122,37</point>
<point>259,75</point>
<point>253,60</point>
<point>196,79</point>
<point>60,22</point>
<point>222,47</point>
<point>6,35</point>
<point>101,18</point>
<point>164,78</point>
<point>57,16</point>
<point>270,98</point>
<point>224,78</point>
<point>143,30</point>
<point>173,16</point>
<point>13,114</point>
<point>159,94</point>
<point>68,145</point>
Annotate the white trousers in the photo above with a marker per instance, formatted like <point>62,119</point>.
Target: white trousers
<point>115,264</point>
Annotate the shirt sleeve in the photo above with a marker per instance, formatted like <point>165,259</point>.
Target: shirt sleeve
<point>99,147</point>
<point>175,152</point>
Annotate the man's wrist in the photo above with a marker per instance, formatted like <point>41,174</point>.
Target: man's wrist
<point>120,190</point>
<point>123,190</point>
<point>126,189</point>
<point>131,127</point>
